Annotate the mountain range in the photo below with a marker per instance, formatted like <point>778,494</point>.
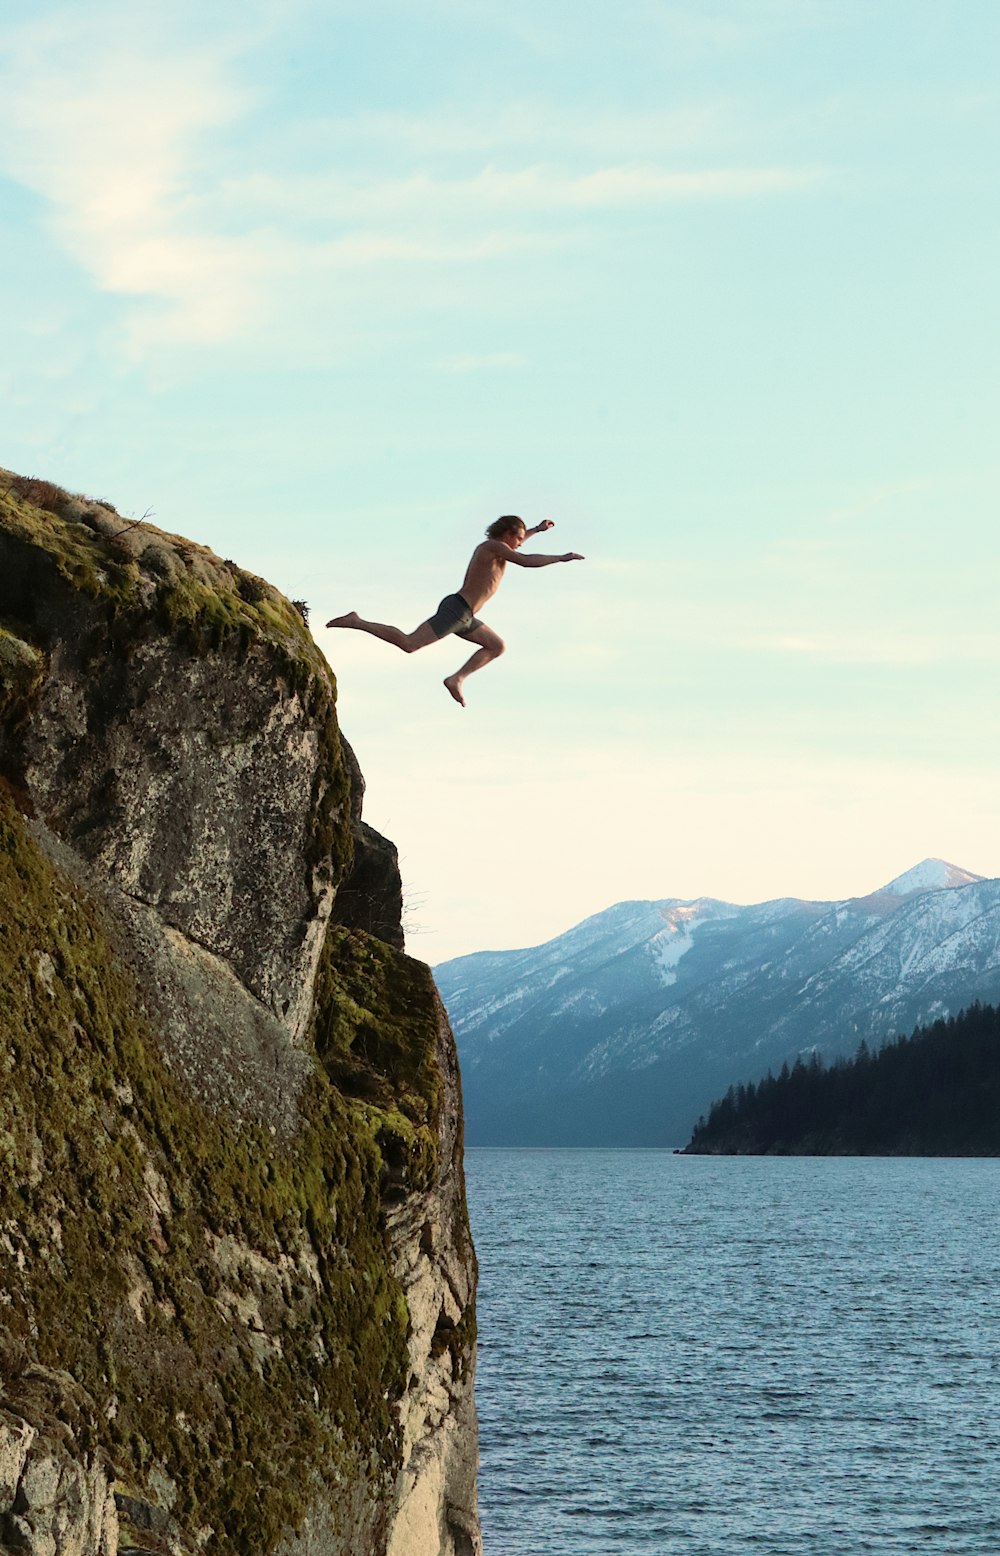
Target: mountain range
<point>623,1030</point>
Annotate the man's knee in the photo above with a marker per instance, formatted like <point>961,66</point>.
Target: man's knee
<point>411,641</point>
<point>496,646</point>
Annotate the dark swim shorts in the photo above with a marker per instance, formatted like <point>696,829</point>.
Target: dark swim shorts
<point>454,614</point>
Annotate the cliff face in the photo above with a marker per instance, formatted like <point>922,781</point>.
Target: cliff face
<point>236,1279</point>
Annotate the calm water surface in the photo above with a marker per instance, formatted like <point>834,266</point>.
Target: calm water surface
<point>737,1357</point>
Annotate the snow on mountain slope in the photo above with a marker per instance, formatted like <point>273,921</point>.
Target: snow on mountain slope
<point>676,938</point>
<point>624,1029</point>
<point>930,875</point>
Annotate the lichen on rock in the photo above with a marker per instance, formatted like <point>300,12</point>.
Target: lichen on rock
<point>232,1214</point>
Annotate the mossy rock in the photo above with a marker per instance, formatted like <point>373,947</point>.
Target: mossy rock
<point>104,600</point>
<point>224,1298</point>
<point>134,570</point>
<point>229,1306</point>
<point>376,1026</point>
<point>22,669</point>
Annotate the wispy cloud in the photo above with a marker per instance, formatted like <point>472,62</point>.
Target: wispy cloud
<point>105,120</point>
<point>130,136</point>
<point>518,192</point>
<point>518,126</point>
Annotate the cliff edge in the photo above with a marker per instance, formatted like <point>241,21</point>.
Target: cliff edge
<point>237,1286</point>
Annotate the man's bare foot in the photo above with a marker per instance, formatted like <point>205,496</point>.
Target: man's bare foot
<point>454,685</point>
<point>350,620</point>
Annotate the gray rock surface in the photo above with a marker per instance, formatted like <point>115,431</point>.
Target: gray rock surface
<point>56,1495</point>
<point>436,1264</point>
<point>188,783</point>
<point>172,767</point>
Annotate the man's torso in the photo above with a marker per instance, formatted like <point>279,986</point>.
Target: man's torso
<point>483,575</point>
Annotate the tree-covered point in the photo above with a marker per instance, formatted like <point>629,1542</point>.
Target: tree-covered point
<point>936,1093</point>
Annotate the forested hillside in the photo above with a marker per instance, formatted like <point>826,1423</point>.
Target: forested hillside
<point>628,1026</point>
<point>936,1093</point>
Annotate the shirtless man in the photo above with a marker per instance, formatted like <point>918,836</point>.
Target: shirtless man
<point>457,612</point>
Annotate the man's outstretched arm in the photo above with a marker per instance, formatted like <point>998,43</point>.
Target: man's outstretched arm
<point>512,554</point>
<point>533,560</point>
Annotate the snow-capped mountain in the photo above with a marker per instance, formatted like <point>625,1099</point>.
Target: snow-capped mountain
<point>624,1029</point>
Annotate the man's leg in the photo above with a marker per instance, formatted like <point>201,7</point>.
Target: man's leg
<point>491,647</point>
<point>409,642</point>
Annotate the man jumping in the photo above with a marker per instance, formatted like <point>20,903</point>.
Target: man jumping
<point>457,612</point>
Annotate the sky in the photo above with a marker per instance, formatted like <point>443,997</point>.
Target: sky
<point>328,286</point>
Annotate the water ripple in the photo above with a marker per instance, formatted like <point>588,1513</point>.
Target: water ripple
<point>718,1357</point>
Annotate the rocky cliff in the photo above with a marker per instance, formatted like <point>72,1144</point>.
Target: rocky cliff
<point>236,1279</point>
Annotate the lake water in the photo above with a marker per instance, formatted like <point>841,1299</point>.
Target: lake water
<point>716,1356</point>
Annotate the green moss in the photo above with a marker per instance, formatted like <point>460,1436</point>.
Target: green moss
<point>22,669</point>
<point>228,1305</point>
<point>143,581</point>
<point>77,554</point>
<point>330,834</point>
<point>137,571</point>
<point>375,1027</point>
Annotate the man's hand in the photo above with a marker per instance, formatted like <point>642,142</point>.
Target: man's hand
<point>544,524</point>
<point>572,556</point>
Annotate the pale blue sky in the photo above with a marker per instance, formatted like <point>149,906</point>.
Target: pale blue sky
<point>328,286</point>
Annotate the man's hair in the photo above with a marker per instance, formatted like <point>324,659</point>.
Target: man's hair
<point>504,526</point>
